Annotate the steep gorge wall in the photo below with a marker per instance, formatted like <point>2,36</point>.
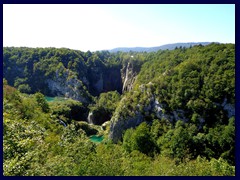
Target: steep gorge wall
<point>120,78</point>
<point>104,80</point>
<point>69,86</point>
<point>130,116</point>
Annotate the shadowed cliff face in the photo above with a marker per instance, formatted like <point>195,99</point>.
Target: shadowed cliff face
<point>97,82</point>
<point>120,78</point>
<point>112,80</point>
<point>104,80</point>
<point>68,86</point>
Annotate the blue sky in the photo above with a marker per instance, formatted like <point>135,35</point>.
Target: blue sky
<point>99,27</point>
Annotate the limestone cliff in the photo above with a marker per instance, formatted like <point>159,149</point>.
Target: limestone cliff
<point>104,79</point>
<point>119,124</point>
<point>97,80</point>
<point>66,84</point>
<point>129,116</point>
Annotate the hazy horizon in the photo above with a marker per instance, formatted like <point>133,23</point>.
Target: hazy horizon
<point>116,47</point>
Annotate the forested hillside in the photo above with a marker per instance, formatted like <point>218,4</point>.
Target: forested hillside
<point>170,112</point>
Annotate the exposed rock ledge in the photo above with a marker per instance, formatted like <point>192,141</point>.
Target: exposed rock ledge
<point>69,86</point>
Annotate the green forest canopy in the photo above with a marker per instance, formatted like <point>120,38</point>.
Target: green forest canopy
<point>199,80</point>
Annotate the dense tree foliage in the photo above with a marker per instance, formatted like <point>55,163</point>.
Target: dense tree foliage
<point>184,98</point>
<point>23,67</point>
<point>192,104</point>
<point>68,110</point>
<point>104,107</point>
<point>36,144</point>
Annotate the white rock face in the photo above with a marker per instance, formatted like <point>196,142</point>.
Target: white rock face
<point>118,125</point>
<point>158,108</point>
<point>68,86</point>
<point>104,125</point>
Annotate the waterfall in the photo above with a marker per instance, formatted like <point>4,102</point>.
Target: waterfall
<point>90,118</point>
<point>126,78</point>
<point>62,122</point>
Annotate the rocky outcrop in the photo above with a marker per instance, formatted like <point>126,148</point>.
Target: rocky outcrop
<point>96,81</point>
<point>150,109</point>
<point>150,106</point>
<point>105,125</point>
<point>119,125</point>
<point>66,84</point>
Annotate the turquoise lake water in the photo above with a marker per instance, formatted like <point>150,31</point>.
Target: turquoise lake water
<point>51,99</point>
<point>96,139</point>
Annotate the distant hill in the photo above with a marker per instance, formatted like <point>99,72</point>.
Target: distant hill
<point>154,49</point>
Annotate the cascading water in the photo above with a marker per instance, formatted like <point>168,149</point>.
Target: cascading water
<point>63,123</point>
<point>126,78</point>
<point>89,118</point>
